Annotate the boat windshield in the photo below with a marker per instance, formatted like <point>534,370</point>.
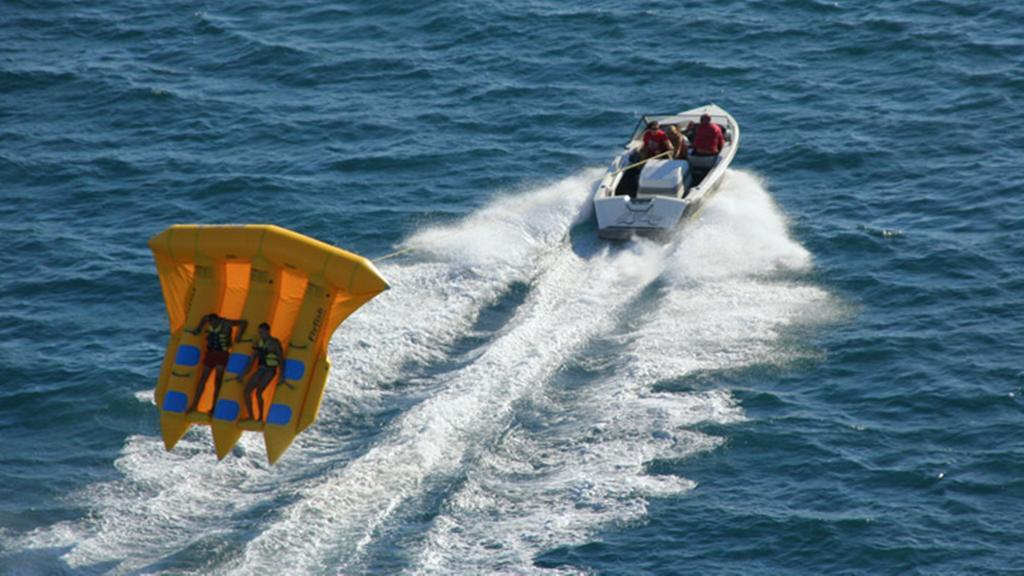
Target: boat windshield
<point>681,119</point>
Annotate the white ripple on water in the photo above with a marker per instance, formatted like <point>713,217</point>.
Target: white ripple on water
<point>556,484</point>
<point>171,502</point>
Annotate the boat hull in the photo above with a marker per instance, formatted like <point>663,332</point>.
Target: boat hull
<point>620,217</point>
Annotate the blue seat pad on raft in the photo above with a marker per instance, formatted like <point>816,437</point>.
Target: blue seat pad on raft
<point>226,410</point>
<point>175,401</point>
<point>237,363</point>
<point>279,414</point>
<point>187,355</point>
<point>294,369</point>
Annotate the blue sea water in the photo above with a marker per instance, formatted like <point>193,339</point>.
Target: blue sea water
<point>820,376</point>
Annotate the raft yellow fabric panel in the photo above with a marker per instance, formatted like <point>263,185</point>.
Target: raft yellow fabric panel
<point>301,287</point>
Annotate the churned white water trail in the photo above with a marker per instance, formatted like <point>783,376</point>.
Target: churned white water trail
<point>171,504</point>
<point>508,455</point>
<point>578,461</point>
<point>572,299</point>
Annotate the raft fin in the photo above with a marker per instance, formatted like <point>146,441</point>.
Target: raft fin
<point>172,428</point>
<point>226,434</point>
<point>277,439</point>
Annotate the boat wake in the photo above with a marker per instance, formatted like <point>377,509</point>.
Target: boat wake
<point>447,444</point>
<point>576,459</point>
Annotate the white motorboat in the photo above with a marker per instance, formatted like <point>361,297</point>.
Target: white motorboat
<point>654,197</point>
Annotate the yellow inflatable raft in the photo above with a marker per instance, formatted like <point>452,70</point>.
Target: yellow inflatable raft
<point>302,287</point>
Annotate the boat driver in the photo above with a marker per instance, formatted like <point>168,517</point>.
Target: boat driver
<point>218,343</point>
<point>655,142</point>
<point>708,139</point>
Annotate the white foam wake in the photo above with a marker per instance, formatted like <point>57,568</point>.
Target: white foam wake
<point>168,503</point>
<point>580,463</point>
<point>571,300</point>
<point>520,459</point>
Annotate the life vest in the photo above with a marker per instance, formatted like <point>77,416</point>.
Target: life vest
<point>709,139</point>
<point>264,355</point>
<point>218,338</point>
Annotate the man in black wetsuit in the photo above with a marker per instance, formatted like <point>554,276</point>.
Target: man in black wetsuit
<point>269,356</point>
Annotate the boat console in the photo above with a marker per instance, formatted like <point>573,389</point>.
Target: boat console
<point>664,178</point>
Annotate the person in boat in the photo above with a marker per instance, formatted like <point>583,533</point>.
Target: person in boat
<point>679,142</point>
<point>708,139</point>
<point>654,142</point>
<point>269,357</point>
<point>218,345</point>
<point>690,131</point>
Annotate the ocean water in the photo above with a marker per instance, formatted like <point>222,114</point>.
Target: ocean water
<point>821,375</point>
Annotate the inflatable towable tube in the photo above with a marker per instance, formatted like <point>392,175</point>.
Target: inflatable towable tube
<point>302,287</point>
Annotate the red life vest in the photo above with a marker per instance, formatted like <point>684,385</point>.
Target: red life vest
<point>708,139</point>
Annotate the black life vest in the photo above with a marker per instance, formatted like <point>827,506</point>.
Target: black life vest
<point>218,338</point>
<point>264,355</point>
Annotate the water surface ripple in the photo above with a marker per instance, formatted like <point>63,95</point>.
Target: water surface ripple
<point>820,376</point>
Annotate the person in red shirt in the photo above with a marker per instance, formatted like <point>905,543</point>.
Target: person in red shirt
<point>708,140</point>
<point>655,141</point>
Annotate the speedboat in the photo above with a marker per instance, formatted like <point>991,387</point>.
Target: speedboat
<point>653,197</point>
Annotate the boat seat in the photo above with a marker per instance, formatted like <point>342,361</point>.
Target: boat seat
<point>664,177</point>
